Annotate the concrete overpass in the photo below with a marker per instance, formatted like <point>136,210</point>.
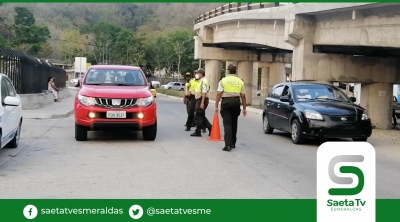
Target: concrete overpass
<point>323,42</point>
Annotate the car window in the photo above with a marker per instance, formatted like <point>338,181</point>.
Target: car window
<point>4,90</point>
<point>177,84</point>
<point>10,88</point>
<point>277,92</point>
<point>394,99</point>
<point>115,77</point>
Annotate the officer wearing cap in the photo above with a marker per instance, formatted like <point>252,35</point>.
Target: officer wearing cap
<point>231,90</point>
<point>200,93</point>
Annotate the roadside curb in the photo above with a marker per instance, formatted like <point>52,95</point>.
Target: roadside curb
<point>73,88</point>
<point>61,116</point>
<point>249,109</point>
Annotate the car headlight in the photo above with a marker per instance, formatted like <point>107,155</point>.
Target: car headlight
<point>87,101</point>
<point>365,116</point>
<point>311,114</point>
<point>143,102</point>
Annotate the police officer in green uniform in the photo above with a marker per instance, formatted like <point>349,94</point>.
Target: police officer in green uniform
<point>200,93</point>
<point>231,90</point>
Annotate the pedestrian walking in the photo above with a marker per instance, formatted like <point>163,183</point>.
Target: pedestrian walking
<point>202,100</point>
<point>231,93</point>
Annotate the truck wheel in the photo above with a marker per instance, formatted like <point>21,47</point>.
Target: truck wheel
<point>150,132</point>
<point>80,132</point>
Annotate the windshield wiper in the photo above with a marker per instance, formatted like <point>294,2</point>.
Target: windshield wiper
<point>93,84</point>
<point>124,84</point>
<point>329,99</point>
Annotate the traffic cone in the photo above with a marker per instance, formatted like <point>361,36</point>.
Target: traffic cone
<point>215,131</point>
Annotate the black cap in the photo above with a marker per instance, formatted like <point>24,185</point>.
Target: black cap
<point>231,68</point>
<point>201,70</point>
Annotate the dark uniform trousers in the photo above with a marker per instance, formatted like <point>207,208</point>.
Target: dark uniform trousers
<point>200,118</point>
<point>230,112</point>
<point>190,108</point>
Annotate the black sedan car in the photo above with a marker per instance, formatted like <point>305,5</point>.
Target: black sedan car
<point>314,110</point>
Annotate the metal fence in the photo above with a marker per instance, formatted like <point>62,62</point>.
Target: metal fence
<point>29,74</point>
<point>236,7</point>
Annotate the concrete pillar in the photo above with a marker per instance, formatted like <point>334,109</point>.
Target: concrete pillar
<point>377,99</point>
<point>264,82</point>
<point>213,75</point>
<point>256,99</point>
<point>245,72</point>
<point>227,64</point>
<point>277,74</point>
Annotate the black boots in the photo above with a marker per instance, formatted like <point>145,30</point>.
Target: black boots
<point>187,129</point>
<point>227,148</point>
<point>196,133</point>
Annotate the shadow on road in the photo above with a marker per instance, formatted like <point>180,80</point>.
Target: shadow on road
<point>117,135</point>
<point>308,142</point>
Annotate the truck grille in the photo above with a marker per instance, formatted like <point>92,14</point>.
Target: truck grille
<point>343,119</point>
<point>116,103</point>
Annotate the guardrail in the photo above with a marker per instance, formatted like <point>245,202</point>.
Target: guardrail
<point>236,7</point>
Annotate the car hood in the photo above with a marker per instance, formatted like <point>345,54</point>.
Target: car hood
<point>121,92</point>
<point>333,108</point>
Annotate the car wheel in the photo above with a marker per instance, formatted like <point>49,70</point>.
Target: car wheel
<point>150,132</point>
<point>297,137</point>
<point>360,139</point>
<point>266,127</point>
<point>169,88</point>
<point>80,133</point>
<point>15,141</point>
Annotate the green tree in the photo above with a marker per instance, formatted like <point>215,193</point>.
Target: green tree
<point>27,33</point>
<point>71,44</point>
<point>3,41</point>
<point>45,50</point>
<point>106,35</point>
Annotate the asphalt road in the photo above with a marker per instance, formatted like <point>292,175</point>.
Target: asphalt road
<point>49,163</point>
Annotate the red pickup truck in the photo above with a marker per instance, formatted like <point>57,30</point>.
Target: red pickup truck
<point>115,97</point>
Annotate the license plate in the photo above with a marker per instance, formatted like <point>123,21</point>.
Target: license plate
<point>116,114</point>
<point>397,111</point>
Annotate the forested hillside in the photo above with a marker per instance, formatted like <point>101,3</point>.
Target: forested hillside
<point>156,35</point>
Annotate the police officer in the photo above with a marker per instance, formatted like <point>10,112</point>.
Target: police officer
<point>189,100</point>
<point>231,90</point>
<point>202,101</point>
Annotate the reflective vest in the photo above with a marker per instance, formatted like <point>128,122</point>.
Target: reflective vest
<point>193,83</point>
<point>198,88</point>
<point>232,85</point>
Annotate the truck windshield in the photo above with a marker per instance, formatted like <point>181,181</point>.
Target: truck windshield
<point>115,77</point>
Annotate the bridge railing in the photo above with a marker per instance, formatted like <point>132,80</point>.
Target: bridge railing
<point>236,7</point>
<point>29,74</point>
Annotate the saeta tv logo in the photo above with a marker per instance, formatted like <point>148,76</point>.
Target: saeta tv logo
<point>346,182</point>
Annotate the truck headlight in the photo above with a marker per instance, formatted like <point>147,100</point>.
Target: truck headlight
<point>86,101</point>
<point>365,116</point>
<point>312,114</point>
<point>143,102</point>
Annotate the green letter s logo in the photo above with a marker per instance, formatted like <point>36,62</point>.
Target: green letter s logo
<point>346,180</point>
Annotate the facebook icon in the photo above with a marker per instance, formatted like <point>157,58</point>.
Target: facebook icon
<point>30,211</point>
